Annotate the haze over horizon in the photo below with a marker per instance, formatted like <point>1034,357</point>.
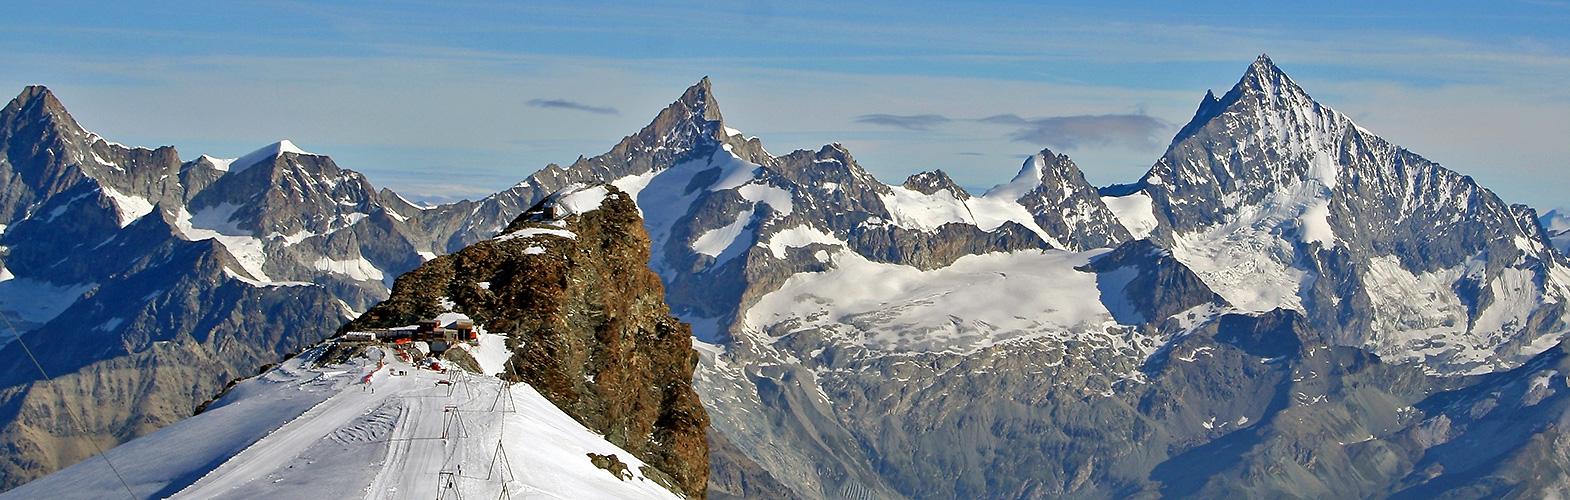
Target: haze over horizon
<point>440,102</point>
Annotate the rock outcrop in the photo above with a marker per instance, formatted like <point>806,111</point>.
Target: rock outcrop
<point>568,283</point>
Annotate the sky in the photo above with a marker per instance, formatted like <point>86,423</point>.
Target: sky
<point>447,100</point>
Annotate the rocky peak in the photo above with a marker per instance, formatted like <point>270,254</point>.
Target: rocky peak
<point>1263,76</point>
<point>36,103</point>
<point>1209,107</point>
<point>1351,217</point>
<point>281,188</point>
<point>1063,204</point>
<point>691,124</point>
<point>568,284</point>
<point>934,181</point>
<point>700,98</point>
<point>1265,137</point>
<point>691,119</point>
<point>1263,85</point>
<point>832,164</point>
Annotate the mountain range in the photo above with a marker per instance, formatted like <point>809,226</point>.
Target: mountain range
<point>1284,305</point>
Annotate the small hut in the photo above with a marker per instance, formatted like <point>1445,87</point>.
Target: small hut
<point>465,329</point>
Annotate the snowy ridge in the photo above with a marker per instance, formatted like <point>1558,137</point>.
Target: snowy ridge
<point>267,152</point>
<point>341,431</point>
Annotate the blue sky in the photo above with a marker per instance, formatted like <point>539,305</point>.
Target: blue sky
<point>444,100</point>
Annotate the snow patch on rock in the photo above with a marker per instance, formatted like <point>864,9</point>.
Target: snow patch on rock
<point>129,207</point>
<point>1135,211</point>
<point>358,269</point>
<point>798,237</point>
<point>536,231</point>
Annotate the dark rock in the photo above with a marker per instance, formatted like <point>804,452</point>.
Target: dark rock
<point>1155,287</point>
<point>588,325</point>
<point>933,182</point>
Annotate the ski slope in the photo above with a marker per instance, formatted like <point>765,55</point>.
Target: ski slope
<point>357,430</point>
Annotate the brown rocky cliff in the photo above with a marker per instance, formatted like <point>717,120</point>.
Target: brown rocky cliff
<point>588,324</point>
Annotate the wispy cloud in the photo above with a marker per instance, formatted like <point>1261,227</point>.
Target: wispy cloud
<point>1004,120</point>
<point>1133,131</point>
<point>1136,131</point>
<point>577,106</point>
<point>907,122</point>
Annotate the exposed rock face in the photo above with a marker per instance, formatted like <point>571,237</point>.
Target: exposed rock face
<point>587,321</point>
<point>930,183</point>
<point>939,248</point>
<point>734,476</point>
<point>1064,204</point>
<point>1375,244</point>
<point>1150,282</point>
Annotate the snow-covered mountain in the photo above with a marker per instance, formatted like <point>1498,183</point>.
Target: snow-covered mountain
<point>1284,305</point>
<point>145,284</point>
<point>1278,201</point>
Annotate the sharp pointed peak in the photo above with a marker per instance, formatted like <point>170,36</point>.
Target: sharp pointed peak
<point>695,107</point>
<point>34,91</point>
<point>1264,73</point>
<point>700,93</point>
<point>1262,77</point>
<point>1030,175</point>
<point>700,98</point>
<point>1048,154</point>
<point>37,101</point>
<point>32,94</point>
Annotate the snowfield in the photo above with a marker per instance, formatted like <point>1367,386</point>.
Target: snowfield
<point>979,301</point>
<point>357,430</point>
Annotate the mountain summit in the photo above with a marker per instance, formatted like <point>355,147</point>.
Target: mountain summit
<point>1375,244</point>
